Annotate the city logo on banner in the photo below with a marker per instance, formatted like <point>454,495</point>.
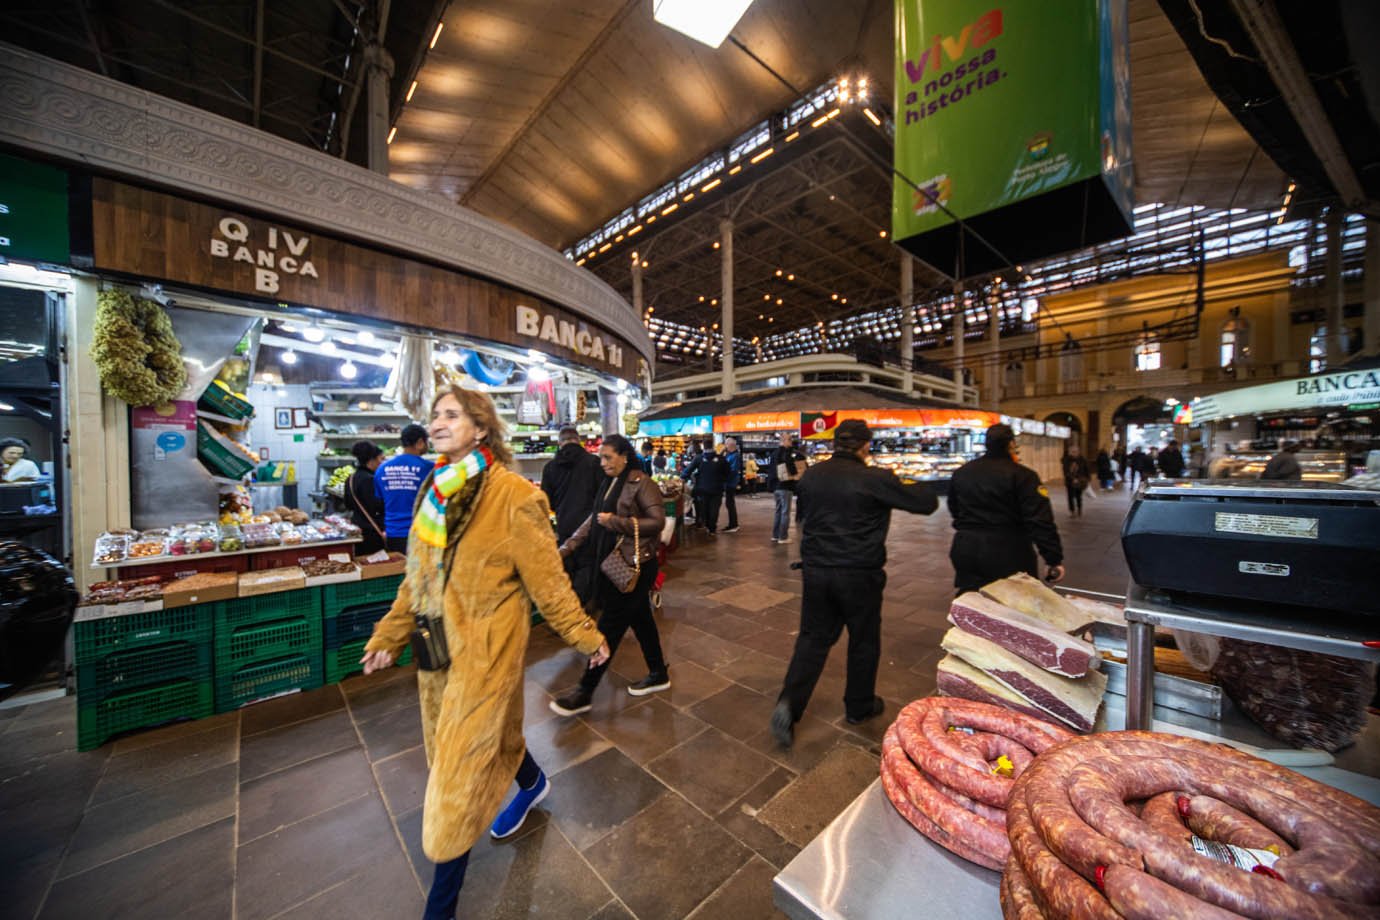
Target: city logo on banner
<point>818,425</point>
<point>273,254</point>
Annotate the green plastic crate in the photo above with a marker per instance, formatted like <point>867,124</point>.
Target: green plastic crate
<point>144,666</point>
<point>142,708</point>
<point>218,458</point>
<point>239,645</point>
<point>267,678</point>
<point>242,611</point>
<point>336,597</point>
<point>95,639</point>
<point>222,402</point>
<point>344,661</point>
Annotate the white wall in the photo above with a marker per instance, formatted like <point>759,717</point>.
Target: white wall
<point>280,443</point>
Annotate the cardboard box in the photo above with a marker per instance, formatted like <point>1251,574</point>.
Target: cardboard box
<point>396,565</point>
<point>313,582</point>
<point>272,581</point>
<point>185,597</point>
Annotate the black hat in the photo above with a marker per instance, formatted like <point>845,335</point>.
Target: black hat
<point>851,434</point>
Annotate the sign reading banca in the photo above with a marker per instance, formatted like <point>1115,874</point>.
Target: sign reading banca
<point>1336,389</point>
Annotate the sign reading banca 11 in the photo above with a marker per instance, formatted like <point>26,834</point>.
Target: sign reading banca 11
<point>1336,389</point>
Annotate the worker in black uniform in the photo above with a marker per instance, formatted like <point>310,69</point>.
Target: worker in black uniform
<point>844,511</point>
<point>1000,509</point>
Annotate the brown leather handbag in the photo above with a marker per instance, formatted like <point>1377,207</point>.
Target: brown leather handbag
<point>616,567</point>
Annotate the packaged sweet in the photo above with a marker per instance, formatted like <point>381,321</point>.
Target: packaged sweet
<point>259,535</point>
<point>231,538</point>
<point>147,547</point>
<point>111,548</point>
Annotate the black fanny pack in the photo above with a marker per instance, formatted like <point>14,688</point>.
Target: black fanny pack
<point>428,642</point>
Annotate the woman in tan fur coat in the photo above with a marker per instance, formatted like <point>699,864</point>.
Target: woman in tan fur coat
<point>480,552</point>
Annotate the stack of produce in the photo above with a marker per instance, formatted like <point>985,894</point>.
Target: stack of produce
<point>949,765</point>
<point>1011,646</point>
<point>1148,825</point>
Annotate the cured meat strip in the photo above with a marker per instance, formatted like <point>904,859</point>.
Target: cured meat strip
<point>1073,833</point>
<point>1033,597</point>
<point>942,767</point>
<point>1030,638</point>
<point>956,677</point>
<point>1073,702</point>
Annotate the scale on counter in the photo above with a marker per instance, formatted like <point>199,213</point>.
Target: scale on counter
<point>1310,544</point>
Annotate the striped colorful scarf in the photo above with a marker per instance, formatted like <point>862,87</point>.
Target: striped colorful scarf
<point>447,479</point>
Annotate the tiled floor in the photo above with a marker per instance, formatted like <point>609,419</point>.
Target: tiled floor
<point>674,805</point>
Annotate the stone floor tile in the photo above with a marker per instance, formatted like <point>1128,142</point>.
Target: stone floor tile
<point>736,711</point>
<point>692,644</point>
<point>691,683</point>
<point>539,874</point>
<point>560,743</point>
<point>648,730</point>
<point>613,910</point>
<point>392,732</point>
<point>776,643</point>
<point>374,696</point>
<point>153,767</point>
<point>292,744</point>
<point>711,770</point>
<point>295,707</point>
<point>383,887</point>
<point>402,778</point>
<point>290,795</point>
<point>155,736</point>
<point>756,671</point>
<point>187,876</point>
<point>668,859</point>
<point>747,895</point>
<point>803,809</point>
<point>143,819</point>
<point>749,596</point>
<point>285,868</point>
<point>814,738</point>
<point>600,794</point>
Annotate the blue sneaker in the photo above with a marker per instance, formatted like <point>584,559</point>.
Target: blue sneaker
<point>510,819</point>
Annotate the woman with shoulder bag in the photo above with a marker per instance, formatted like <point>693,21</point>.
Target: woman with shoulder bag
<point>629,514</point>
<point>366,508</point>
<point>480,553</point>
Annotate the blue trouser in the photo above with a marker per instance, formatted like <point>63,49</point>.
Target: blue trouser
<point>781,523</point>
<point>450,875</point>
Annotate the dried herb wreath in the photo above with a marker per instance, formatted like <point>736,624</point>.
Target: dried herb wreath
<point>136,351</point>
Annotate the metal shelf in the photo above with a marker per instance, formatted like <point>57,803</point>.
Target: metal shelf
<point>342,413</point>
<point>341,435</point>
<point>321,460</point>
<point>186,557</point>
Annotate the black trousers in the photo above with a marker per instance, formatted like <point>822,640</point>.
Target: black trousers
<point>832,600</point>
<point>1075,496</point>
<point>709,510</point>
<point>982,556</point>
<point>450,876</point>
<point>621,612</point>
<point>730,502</point>
<point>397,545</point>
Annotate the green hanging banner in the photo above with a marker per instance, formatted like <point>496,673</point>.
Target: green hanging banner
<point>1017,119</point>
<point>33,212</point>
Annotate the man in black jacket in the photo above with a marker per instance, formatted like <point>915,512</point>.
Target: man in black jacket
<point>844,510</point>
<point>570,482</point>
<point>789,459</point>
<point>711,472</point>
<point>999,509</point>
<point>1172,460</point>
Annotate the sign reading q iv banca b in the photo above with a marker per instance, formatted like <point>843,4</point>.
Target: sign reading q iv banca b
<point>276,253</point>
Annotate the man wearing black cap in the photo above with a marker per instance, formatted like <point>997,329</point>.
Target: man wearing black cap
<point>1000,509</point>
<point>844,509</point>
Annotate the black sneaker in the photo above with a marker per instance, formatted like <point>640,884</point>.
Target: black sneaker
<point>733,529</point>
<point>650,684</point>
<point>573,703</point>
<point>877,707</point>
<point>782,725</point>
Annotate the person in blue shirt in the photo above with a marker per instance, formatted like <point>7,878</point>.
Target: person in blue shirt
<point>397,481</point>
<point>734,457</point>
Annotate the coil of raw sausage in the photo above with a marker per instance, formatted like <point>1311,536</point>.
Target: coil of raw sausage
<point>1132,824</point>
<point>948,766</point>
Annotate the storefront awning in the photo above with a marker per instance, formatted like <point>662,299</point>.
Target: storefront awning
<point>1339,389</point>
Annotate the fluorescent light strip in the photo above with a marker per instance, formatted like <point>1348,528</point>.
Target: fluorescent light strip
<point>410,90</point>
<point>436,35</point>
<point>763,155</point>
<point>393,132</point>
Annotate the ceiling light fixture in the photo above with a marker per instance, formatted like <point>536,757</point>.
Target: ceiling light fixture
<point>348,370</point>
<point>710,186</point>
<point>735,170</point>
<point>410,90</point>
<point>328,347</point>
<point>435,37</point>
<point>707,21</point>
<point>314,333</point>
<point>365,337</point>
<point>763,155</point>
<point>792,136</point>
<point>872,118</point>
<point>670,208</point>
<point>635,230</point>
<point>392,133</point>
<point>289,357</point>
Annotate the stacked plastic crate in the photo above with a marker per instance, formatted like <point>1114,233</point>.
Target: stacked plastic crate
<point>267,645</point>
<point>141,669</point>
<point>349,612</point>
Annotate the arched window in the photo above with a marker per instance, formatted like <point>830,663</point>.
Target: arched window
<point>1317,350</point>
<point>1234,344</point>
<point>1148,356</point>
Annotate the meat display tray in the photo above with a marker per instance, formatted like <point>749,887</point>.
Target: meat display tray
<point>1171,692</point>
<point>1304,544</point>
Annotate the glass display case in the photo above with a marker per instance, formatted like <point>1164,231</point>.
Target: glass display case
<point>1318,465</point>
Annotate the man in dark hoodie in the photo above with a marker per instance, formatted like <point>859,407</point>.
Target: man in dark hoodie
<point>570,482</point>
